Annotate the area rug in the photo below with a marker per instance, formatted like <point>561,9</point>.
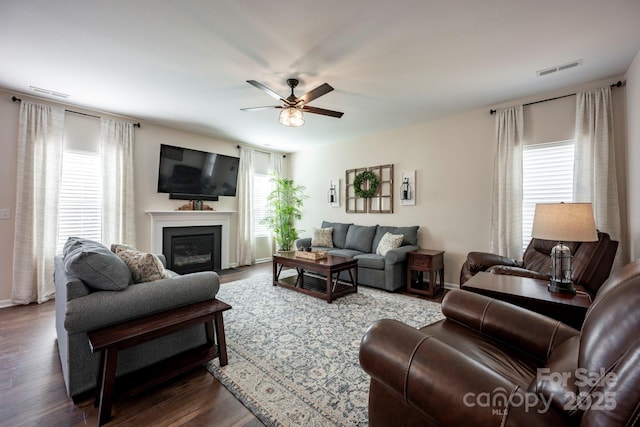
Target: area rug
<point>293,358</point>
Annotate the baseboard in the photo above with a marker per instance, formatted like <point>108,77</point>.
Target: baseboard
<point>6,303</point>
<point>451,286</point>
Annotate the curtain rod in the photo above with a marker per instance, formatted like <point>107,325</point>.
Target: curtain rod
<point>135,125</point>
<point>265,152</point>
<point>618,84</point>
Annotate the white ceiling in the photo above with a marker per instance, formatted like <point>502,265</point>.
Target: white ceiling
<point>392,63</point>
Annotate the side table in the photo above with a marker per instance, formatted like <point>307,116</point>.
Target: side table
<point>425,261</point>
<point>531,294</point>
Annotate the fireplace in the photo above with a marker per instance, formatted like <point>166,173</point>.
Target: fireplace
<point>161,219</point>
<point>193,248</point>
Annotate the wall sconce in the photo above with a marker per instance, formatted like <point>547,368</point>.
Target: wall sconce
<point>408,188</point>
<point>333,195</point>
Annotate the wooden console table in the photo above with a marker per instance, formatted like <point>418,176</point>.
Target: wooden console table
<point>425,261</point>
<point>111,339</point>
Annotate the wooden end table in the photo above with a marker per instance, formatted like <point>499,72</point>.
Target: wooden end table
<point>111,339</point>
<point>425,261</point>
<point>327,287</point>
<point>531,294</point>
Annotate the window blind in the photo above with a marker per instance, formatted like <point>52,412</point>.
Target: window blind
<point>547,177</point>
<point>80,203</point>
<point>261,190</point>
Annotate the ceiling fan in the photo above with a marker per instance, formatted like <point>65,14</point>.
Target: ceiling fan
<point>292,106</point>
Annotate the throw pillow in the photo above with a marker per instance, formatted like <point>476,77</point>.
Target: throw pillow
<point>389,241</point>
<point>360,238</point>
<point>116,246</point>
<point>144,267</point>
<point>97,267</point>
<point>322,237</point>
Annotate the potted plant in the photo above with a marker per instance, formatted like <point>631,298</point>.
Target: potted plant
<point>285,202</point>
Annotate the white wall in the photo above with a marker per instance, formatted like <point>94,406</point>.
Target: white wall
<point>453,158</point>
<point>9,113</point>
<point>633,155</point>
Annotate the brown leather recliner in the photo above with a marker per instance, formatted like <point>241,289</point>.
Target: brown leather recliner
<point>591,262</point>
<point>489,363</point>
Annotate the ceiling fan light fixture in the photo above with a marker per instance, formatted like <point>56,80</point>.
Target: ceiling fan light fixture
<point>291,117</point>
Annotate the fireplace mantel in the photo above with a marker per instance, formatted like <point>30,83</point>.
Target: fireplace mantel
<point>165,218</point>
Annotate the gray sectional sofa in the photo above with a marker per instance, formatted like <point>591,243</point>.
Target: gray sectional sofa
<point>387,271</point>
<point>81,306</point>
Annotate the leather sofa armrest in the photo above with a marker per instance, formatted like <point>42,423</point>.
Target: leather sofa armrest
<point>481,261</point>
<point>442,383</point>
<point>530,332</point>
<point>397,255</point>
<point>518,271</point>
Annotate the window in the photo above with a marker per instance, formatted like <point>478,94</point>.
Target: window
<point>80,204</point>
<point>547,177</point>
<point>261,190</point>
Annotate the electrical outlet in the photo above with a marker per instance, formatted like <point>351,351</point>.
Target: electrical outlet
<point>5,214</point>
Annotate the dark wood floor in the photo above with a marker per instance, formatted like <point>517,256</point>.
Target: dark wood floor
<point>32,389</point>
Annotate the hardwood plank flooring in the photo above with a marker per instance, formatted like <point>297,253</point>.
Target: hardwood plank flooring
<point>32,389</point>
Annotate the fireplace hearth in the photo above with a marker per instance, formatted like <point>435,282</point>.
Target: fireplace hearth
<point>193,248</point>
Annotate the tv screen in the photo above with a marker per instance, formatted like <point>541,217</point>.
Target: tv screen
<point>196,175</point>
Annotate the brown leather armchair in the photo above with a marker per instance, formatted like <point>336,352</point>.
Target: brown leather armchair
<point>591,262</point>
<point>489,363</point>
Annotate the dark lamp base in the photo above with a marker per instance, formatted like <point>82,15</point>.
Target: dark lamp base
<point>562,287</point>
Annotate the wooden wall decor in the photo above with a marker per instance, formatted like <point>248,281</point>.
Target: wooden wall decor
<point>353,203</point>
<point>381,201</point>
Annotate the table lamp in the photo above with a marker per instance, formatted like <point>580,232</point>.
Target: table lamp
<point>563,222</point>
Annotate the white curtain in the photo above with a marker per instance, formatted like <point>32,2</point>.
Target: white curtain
<point>118,210</point>
<point>277,164</point>
<point>594,173</point>
<point>506,212</point>
<point>245,253</point>
<point>40,139</point>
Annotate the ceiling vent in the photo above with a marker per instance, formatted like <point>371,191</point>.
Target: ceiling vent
<point>558,68</point>
<point>49,92</point>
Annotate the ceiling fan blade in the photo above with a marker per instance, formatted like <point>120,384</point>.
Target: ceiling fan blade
<point>261,108</point>
<point>315,93</point>
<point>322,111</point>
<point>265,89</point>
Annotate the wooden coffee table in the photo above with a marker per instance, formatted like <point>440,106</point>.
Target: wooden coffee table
<point>326,287</point>
<point>531,294</point>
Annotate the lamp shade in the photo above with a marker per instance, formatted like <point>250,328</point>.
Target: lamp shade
<point>564,222</point>
<point>291,116</point>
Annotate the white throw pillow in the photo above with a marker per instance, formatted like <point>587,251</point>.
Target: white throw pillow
<point>389,241</point>
<point>322,237</point>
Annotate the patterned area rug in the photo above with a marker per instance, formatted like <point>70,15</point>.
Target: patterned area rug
<point>293,358</point>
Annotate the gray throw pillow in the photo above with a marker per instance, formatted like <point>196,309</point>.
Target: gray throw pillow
<point>410,234</point>
<point>360,237</point>
<point>97,266</point>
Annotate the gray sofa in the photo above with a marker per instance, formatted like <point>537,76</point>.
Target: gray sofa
<point>81,308</point>
<point>386,272</point>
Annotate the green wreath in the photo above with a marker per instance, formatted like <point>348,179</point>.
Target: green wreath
<point>373,184</point>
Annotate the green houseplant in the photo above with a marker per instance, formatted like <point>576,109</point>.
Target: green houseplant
<point>285,203</point>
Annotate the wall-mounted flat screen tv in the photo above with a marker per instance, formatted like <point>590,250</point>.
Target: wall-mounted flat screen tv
<point>188,174</point>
